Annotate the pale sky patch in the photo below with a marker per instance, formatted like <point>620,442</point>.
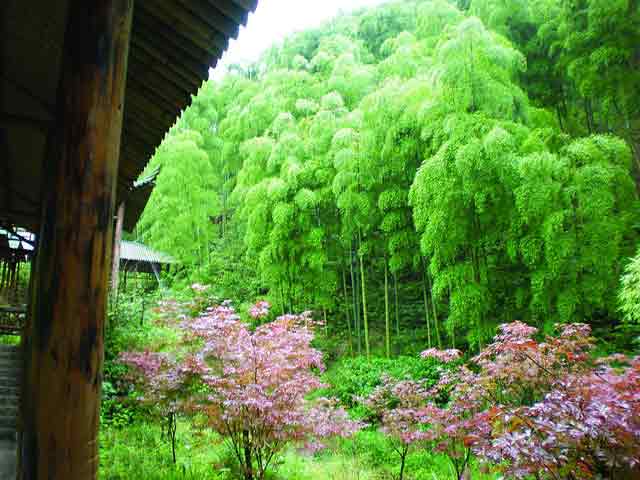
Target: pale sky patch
<point>273,20</point>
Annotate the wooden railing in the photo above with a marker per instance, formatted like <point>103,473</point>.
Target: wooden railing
<point>12,319</point>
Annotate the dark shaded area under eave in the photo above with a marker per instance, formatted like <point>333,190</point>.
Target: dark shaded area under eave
<point>173,45</point>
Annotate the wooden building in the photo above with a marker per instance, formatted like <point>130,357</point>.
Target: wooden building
<point>87,90</point>
<point>136,257</point>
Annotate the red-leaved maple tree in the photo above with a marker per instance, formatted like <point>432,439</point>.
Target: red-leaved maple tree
<point>528,408</point>
<point>250,386</point>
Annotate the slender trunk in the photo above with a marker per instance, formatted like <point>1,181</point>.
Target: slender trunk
<point>397,309</point>
<point>282,299</point>
<point>248,465</point>
<point>589,115</point>
<point>290,300</point>
<point>356,304</point>
<point>435,313</point>
<point>326,325</point>
<point>426,311</point>
<point>224,205</point>
<point>452,321</point>
<point>559,116</point>
<point>387,326</point>
<point>403,458</point>
<point>3,270</point>
<point>364,302</point>
<point>171,432</point>
<point>347,313</point>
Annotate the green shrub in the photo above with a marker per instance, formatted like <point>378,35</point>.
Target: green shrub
<point>357,377</point>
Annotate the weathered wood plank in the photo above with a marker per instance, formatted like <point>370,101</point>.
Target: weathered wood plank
<point>249,5</point>
<point>199,33</point>
<point>166,61</point>
<point>207,10</point>
<point>64,346</point>
<point>153,25</point>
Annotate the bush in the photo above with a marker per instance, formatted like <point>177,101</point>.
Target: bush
<point>357,377</point>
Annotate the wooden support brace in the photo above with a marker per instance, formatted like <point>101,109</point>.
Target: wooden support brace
<point>115,272</point>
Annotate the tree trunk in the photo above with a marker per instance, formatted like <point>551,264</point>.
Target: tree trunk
<point>326,324</point>
<point>397,307</point>
<point>346,309</point>
<point>172,429</point>
<point>356,304</point>
<point>403,459</point>
<point>387,325</point>
<point>451,321</point>
<point>426,311</point>
<point>282,298</point>
<point>435,314</point>
<point>3,271</point>
<point>64,349</point>
<point>365,319</point>
<point>248,464</point>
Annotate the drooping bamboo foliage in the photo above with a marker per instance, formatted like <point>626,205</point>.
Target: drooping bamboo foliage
<point>458,143</point>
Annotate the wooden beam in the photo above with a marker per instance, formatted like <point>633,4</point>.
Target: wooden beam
<point>18,120</point>
<point>19,214</point>
<point>226,7</point>
<point>115,272</point>
<point>162,116</point>
<point>221,18</point>
<point>249,5</point>
<point>64,345</point>
<point>152,25</point>
<point>147,80</point>
<point>166,62</point>
<point>151,133</point>
<point>26,91</point>
<point>153,35</point>
<point>209,40</point>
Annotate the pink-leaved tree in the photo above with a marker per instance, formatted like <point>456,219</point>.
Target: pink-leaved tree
<point>399,407</point>
<point>556,411</point>
<point>250,386</point>
<point>163,386</point>
<point>527,408</point>
<point>545,409</point>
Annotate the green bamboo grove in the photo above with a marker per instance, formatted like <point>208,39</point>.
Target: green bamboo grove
<point>477,160</point>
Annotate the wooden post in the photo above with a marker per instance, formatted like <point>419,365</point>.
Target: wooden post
<point>144,299</point>
<point>3,271</point>
<point>115,272</point>
<point>64,352</point>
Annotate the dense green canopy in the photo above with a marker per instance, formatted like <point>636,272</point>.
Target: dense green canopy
<point>483,152</point>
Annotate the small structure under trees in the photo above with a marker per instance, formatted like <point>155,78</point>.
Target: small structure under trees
<point>16,250</point>
<point>88,90</point>
<point>136,257</point>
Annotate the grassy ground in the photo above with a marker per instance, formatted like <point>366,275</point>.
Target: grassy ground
<point>137,452</point>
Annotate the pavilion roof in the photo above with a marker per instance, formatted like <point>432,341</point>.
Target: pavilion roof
<point>137,252</point>
<point>173,45</point>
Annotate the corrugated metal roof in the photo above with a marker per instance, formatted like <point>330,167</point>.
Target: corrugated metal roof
<point>137,252</point>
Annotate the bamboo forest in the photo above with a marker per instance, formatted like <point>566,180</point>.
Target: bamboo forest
<point>402,244</point>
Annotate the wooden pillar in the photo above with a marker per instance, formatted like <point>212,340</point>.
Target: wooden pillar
<point>64,349</point>
<point>3,271</point>
<point>115,272</point>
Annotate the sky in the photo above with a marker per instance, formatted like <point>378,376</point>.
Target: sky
<point>273,20</point>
